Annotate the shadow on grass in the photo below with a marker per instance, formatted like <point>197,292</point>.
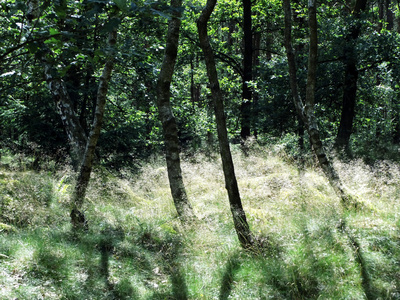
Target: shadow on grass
<point>170,250</point>
<point>109,240</point>
<point>227,282</point>
<point>152,255</point>
<point>103,264</point>
<point>304,269</point>
<point>378,261</point>
<point>359,258</point>
<point>179,287</point>
<point>146,263</point>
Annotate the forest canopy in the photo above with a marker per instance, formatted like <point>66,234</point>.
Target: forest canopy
<point>356,93</point>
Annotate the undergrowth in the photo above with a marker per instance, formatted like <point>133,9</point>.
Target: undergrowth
<point>136,248</point>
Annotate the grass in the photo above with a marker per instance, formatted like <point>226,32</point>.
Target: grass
<point>136,247</point>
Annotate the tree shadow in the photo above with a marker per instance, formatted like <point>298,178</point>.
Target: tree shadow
<point>232,266</point>
<point>179,287</point>
<point>153,256</point>
<point>109,239</point>
<point>370,293</point>
<point>107,262</point>
<point>170,250</point>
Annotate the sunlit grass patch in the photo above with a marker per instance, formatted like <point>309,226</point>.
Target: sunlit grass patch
<point>136,247</point>
<point>26,197</point>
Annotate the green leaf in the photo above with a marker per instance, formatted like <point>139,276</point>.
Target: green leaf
<point>51,41</point>
<point>64,70</point>
<point>110,25</point>
<point>53,31</point>
<point>122,5</point>
<point>61,8</point>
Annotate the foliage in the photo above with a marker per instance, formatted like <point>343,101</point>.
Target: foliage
<point>136,248</point>
<point>73,34</point>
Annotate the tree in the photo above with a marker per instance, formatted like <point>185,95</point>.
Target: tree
<point>77,216</point>
<point>247,71</point>
<point>167,118</point>
<point>83,148</point>
<point>306,109</point>
<point>76,135</point>
<point>48,52</point>
<point>350,80</point>
<point>239,217</point>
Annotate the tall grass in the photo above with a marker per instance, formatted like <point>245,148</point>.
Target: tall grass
<point>136,247</point>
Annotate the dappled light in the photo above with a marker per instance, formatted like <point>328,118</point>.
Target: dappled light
<point>136,247</point>
<point>213,149</point>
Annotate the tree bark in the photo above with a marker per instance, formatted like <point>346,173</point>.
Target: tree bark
<point>75,132</point>
<point>306,110</point>
<point>58,90</point>
<point>246,106</point>
<point>350,82</point>
<point>167,118</point>
<point>239,217</point>
<point>77,217</point>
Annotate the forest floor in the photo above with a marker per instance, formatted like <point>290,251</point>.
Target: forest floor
<point>136,248</point>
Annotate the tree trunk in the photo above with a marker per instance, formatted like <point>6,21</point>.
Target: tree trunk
<point>239,216</point>
<point>245,108</point>
<point>306,111</point>
<point>350,82</point>
<point>58,90</point>
<point>77,217</point>
<point>76,135</point>
<point>348,103</point>
<point>170,129</point>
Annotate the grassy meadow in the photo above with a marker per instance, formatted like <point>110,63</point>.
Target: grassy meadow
<point>136,248</point>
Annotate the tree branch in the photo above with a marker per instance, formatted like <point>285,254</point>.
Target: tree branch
<point>15,48</point>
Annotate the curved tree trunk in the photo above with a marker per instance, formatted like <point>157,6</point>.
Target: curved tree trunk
<point>170,129</point>
<point>306,110</point>
<point>239,216</point>
<point>77,217</point>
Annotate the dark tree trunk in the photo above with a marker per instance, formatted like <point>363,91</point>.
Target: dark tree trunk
<point>306,110</point>
<point>386,15</point>
<point>239,216</point>
<point>170,129</point>
<point>381,10</point>
<point>247,71</point>
<point>77,217</point>
<point>348,104</point>
<point>396,132</point>
<point>350,82</point>
<point>255,74</point>
<point>389,16</point>
<point>195,88</point>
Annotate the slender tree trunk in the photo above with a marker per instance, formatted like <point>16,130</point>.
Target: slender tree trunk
<point>247,72</point>
<point>77,217</point>
<point>239,216</point>
<point>170,129</point>
<point>195,88</point>
<point>348,104</point>
<point>306,110</point>
<point>256,74</point>
<point>350,82</point>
